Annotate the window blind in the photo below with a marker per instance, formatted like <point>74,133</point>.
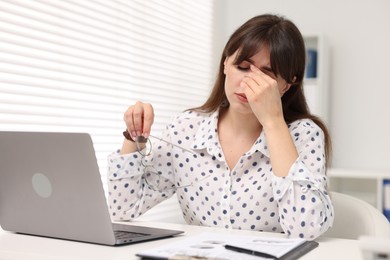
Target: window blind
<point>75,66</point>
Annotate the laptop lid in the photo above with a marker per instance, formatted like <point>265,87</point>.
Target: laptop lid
<point>50,186</point>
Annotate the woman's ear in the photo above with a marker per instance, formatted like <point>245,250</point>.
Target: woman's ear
<point>294,79</point>
<point>287,86</point>
<point>224,65</point>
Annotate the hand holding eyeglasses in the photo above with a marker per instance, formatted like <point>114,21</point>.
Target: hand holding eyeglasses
<point>139,119</point>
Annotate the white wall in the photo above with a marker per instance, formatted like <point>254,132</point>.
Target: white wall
<point>358,34</point>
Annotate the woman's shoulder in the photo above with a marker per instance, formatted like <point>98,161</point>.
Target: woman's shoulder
<point>305,125</point>
<point>189,115</point>
<point>190,120</point>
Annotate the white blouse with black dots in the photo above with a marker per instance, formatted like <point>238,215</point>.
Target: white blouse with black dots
<point>246,197</point>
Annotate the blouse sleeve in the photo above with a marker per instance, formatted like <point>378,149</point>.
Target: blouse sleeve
<point>305,208</point>
<point>129,196</point>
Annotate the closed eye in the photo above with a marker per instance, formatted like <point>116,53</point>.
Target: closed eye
<point>243,68</point>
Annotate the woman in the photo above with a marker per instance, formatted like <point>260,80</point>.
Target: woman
<point>251,157</point>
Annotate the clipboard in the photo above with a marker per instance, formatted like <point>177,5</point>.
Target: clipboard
<point>300,250</point>
<point>293,254</point>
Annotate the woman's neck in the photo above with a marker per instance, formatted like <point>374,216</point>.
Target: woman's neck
<point>237,134</point>
<point>239,124</point>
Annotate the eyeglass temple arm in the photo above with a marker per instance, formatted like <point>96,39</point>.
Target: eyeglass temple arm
<point>158,138</point>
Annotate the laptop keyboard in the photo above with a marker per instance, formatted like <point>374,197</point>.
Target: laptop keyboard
<point>127,236</point>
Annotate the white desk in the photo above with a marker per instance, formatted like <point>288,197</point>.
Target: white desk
<point>17,247</point>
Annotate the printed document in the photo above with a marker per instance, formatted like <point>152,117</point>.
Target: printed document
<point>212,246</point>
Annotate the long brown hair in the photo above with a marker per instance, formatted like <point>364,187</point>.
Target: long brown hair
<point>287,57</point>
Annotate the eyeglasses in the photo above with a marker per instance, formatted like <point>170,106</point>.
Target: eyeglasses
<point>153,177</point>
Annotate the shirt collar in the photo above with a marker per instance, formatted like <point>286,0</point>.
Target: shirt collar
<point>260,145</point>
<point>207,138</point>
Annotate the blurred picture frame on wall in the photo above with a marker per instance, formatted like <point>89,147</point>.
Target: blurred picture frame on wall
<point>311,68</point>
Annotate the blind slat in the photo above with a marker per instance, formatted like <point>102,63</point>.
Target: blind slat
<point>104,96</point>
<point>48,76</point>
<point>160,73</point>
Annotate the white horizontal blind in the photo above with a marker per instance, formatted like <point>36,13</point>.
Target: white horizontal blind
<point>75,66</point>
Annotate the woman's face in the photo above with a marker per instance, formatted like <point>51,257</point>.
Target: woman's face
<point>235,74</point>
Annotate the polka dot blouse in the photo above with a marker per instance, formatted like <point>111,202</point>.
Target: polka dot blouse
<point>248,197</point>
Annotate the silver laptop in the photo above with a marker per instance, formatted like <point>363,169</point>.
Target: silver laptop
<point>50,186</point>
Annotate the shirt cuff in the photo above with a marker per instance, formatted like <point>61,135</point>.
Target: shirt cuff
<point>122,166</point>
<point>298,173</point>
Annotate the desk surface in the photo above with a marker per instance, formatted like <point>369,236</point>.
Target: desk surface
<point>16,246</point>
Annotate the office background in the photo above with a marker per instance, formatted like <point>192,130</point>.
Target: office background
<point>358,35</point>
<point>54,88</point>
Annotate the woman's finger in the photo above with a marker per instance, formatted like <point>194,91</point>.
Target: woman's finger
<point>148,119</point>
<point>138,118</point>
